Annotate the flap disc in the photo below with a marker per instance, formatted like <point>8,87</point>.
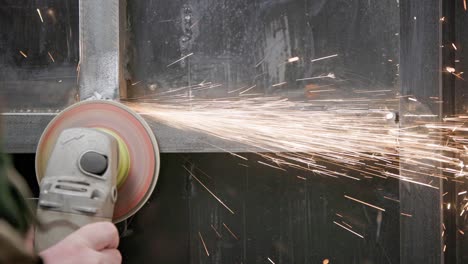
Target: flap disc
<point>131,128</point>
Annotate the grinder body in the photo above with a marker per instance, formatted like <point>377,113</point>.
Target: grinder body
<point>79,184</point>
<point>87,153</point>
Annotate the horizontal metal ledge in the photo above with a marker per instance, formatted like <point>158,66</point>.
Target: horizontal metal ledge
<point>22,132</point>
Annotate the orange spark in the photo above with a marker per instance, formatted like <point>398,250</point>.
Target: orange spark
<point>368,204</point>
<point>40,15</point>
<point>206,188</point>
<point>216,231</point>
<point>229,230</point>
<point>204,245</point>
<point>50,56</point>
<point>344,227</point>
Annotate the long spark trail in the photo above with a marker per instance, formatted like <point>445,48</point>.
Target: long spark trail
<point>206,188</point>
<point>295,134</point>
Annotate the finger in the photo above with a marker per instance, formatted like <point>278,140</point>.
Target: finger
<point>99,236</point>
<point>111,256</point>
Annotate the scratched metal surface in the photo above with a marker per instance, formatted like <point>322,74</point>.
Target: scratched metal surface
<point>276,215</point>
<point>39,81</point>
<point>236,45</point>
<point>421,77</point>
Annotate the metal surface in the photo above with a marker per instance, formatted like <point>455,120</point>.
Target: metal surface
<point>276,216</point>
<point>420,236</point>
<point>46,78</point>
<point>235,45</point>
<point>130,127</point>
<point>101,48</point>
<point>22,133</point>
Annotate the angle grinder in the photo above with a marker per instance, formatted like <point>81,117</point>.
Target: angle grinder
<point>96,161</point>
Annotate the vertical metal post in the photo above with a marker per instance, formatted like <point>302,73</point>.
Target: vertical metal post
<point>420,32</point>
<point>101,26</point>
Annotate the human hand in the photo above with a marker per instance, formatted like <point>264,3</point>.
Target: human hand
<point>92,244</point>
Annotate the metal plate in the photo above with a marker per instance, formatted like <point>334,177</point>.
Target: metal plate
<point>142,145</point>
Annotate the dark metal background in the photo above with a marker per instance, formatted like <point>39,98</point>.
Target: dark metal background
<point>421,61</point>
<point>277,215</point>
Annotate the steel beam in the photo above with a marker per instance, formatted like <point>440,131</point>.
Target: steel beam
<point>420,72</point>
<point>102,41</point>
<point>22,133</point>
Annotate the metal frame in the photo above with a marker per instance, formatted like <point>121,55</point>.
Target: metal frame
<point>102,49</point>
<point>22,133</point>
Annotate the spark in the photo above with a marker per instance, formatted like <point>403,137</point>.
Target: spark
<point>248,89</point>
<point>346,224</point>
<point>301,134</point>
<point>445,247</point>
<point>269,165</point>
<point>278,84</point>
<point>329,75</point>
<point>450,69</point>
<point>204,245</point>
<point>454,47</point>
<point>227,151</point>
<point>271,260</point>
<point>183,58</point>
<point>22,53</point>
<point>372,91</point>
<point>321,91</point>
<point>442,19</point>
<point>391,199</point>
<point>368,204</point>
<point>50,56</point>
<point>229,230</point>
<point>216,231</point>
<point>408,215</point>
<point>293,59</point>
<point>338,215</point>
<point>326,261</point>
<point>206,188</point>
<point>40,15</point>
<point>135,83</point>
<point>324,58</point>
<point>412,99</point>
<point>462,193</point>
<point>344,227</point>
<point>302,178</point>
<point>464,4</point>
<point>448,206</point>
<point>461,232</point>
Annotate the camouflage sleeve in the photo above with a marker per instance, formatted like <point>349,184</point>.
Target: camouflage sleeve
<point>12,247</point>
<point>14,208</point>
<point>16,216</point>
